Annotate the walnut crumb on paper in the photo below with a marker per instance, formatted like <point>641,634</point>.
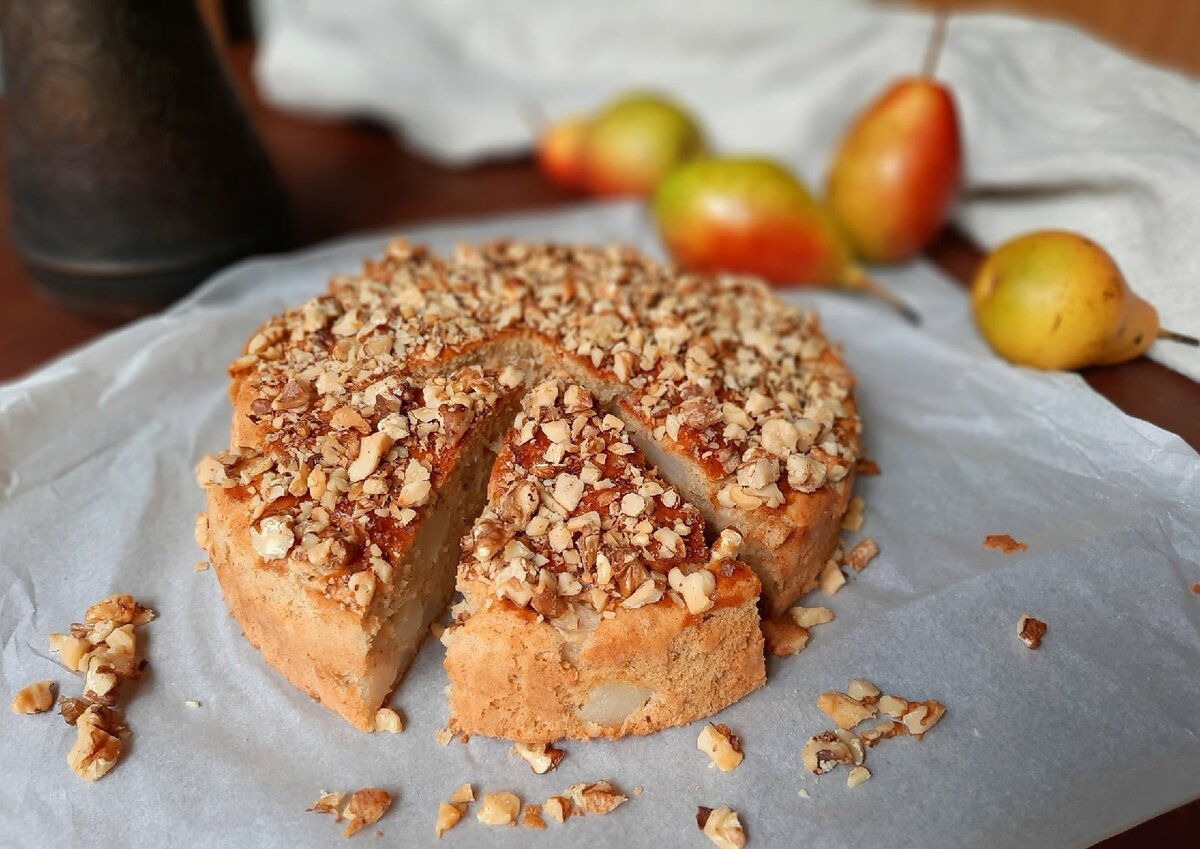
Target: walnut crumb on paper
<point>365,808</point>
<point>831,578</point>
<point>37,697</point>
<point>853,520</point>
<point>783,636</point>
<point>388,721</point>
<point>328,803</point>
<point>465,793</point>
<point>721,826</point>
<point>200,566</point>
<point>541,759</point>
<point>1003,543</point>
<point>723,747</point>
<point>499,808</point>
<point>863,553</point>
<point>443,736</point>
<point>866,467</point>
<point>857,776</point>
<point>558,808</point>
<point>191,704</point>
<point>1196,589</point>
<point>531,817</point>
<point>1031,630</point>
<point>599,797</point>
<point>448,816</point>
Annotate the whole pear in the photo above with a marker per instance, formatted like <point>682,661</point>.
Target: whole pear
<point>560,151</point>
<point>634,142</point>
<point>898,170</point>
<point>1056,300</point>
<point>752,216</point>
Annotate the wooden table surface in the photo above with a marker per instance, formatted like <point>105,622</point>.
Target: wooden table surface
<point>346,177</point>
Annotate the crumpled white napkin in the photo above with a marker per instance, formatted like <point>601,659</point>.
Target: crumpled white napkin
<point>1061,130</point>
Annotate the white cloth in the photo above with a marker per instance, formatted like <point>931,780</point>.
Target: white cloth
<point>1060,130</point>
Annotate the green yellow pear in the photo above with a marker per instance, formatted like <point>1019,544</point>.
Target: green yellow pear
<point>1056,300</point>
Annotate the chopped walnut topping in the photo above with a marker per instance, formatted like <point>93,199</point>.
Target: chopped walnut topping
<point>273,538</point>
<point>388,720</point>
<point>541,759</point>
<point>558,808</point>
<point>352,396</point>
<point>499,809</point>
<point>599,797</point>
<point>858,557</point>
<point>97,745</point>
<point>846,712</point>
<point>328,803</point>
<point>857,776</point>
<point>448,816</point>
<point>723,747</point>
<point>532,817</point>
<point>37,697</point>
<point>831,578</point>
<point>783,636</point>
<point>365,808</point>
<point>853,520</point>
<point>722,827</point>
<point>1003,543</point>
<point>1031,631</point>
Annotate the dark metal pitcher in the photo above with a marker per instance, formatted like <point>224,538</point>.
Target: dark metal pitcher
<point>134,171</point>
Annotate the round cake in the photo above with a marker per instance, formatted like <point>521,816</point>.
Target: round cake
<point>367,425</point>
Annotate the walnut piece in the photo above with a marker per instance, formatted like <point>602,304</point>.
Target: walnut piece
<point>37,697</point>
<point>1003,543</point>
<point>365,808</point>
<point>97,746</point>
<point>858,557</point>
<point>857,776</point>
<point>783,636</point>
<point>448,815</point>
<point>853,520</point>
<point>846,712</point>
<point>1031,631</point>
<point>499,808</point>
<point>328,803</point>
<point>599,797</point>
<point>823,752</point>
<point>721,826</point>
<point>121,609</point>
<point>541,759</point>
<point>831,578</point>
<point>558,808</point>
<point>532,817</point>
<point>464,793</point>
<point>723,747</point>
<point>386,719</point>
<point>809,617</point>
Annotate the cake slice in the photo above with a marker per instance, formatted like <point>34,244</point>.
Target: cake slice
<point>593,606</point>
<point>333,521</point>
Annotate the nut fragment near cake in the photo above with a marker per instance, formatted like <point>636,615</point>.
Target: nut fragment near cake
<point>362,437</point>
<point>592,605</point>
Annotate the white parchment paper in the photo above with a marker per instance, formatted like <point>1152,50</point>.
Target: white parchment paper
<point>1054,748</point>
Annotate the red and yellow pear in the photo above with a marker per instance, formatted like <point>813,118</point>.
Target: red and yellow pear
<point>634,142</point>
<point>1056,300</point>
<point>752,216</point>
<point>560,152</point>
<point>898,170</point>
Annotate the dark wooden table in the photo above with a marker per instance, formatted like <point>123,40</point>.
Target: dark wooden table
<point>346,177</point>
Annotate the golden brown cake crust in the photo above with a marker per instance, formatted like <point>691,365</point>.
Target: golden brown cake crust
<point>338,449</point>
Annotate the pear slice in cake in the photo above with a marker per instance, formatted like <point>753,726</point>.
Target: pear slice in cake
<point>593,606</point>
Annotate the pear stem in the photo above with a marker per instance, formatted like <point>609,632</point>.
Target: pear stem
<point>858,279</point>
<point>1172,336</point>
<point>933,50</point>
